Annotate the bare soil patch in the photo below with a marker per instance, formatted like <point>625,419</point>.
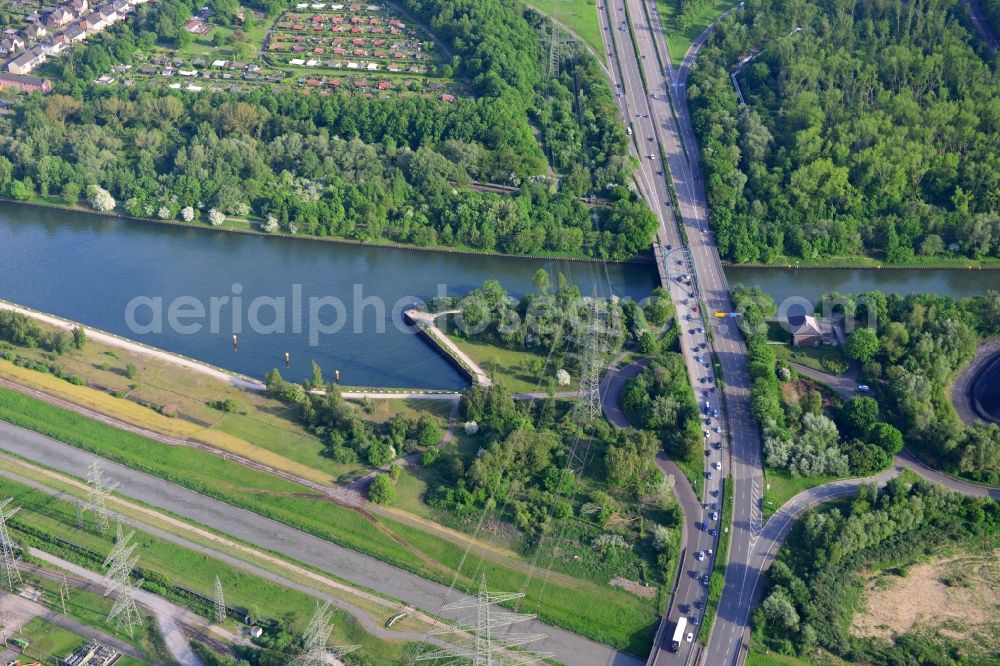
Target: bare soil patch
<point>638,589</point>
<point>957,596</point>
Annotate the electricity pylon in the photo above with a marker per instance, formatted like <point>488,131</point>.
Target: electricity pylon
<point>220,602</point>
<point>593,352</point>
<point>11,574</point>
<point>100,488</point>
<point>316,652</point>
<point>9,621</point>
<point>487,647</point>
<point>120,563</point>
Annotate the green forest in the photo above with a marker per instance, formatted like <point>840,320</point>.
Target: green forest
<point>870,129</point>
<point>348,166</point>
<point>813,585</point>
<point>913,348</point>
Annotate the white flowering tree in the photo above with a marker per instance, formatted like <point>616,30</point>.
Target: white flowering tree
<point>471,427</point>
<point>163,213</point>
<point>187,213</point>
<point>216,217</point>
<point>100,199</point>
<point>562,377</point>
<point>241,209</point>
<point>271,224</point>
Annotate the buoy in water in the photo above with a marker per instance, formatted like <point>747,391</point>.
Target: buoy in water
<point>236,343</point>
<point>288,359</point>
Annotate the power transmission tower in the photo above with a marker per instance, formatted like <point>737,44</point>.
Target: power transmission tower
<point>487,647</point>
<point>593,353</point>
<point>120,564</point>
<point>316,652</point>
<point>11,573</point>
<point>8,621</point>
<point>63,593</point>
<point>220,602</point>
<point>100,488</point>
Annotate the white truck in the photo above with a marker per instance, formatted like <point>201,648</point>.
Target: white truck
<point>675,643</point>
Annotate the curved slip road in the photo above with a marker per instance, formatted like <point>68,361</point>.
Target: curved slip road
<point>688,590</point>
<point>341,562</point>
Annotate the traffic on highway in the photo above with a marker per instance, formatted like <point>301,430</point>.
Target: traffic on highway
<point>650,97</point>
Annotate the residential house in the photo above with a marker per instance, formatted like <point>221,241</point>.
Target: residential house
<point>809,331</point>
<point>54,46</point>
<point>26,83</point>
<point>36,31</point>
<point>109,15</point>
<point>79,7</point>
<point>26,62</point>
<point>58,18</point>
<point>12,43</point>
<point>93,23</point>
<point>75,33</point>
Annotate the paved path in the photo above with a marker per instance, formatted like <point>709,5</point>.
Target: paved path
<point>228,550</point>
<point>169,616</point>
<point>239,381</point>
<point>130,345</point>
<point>846,386</point>
<point>344,563</point>
<point>781,522</point>
<point>26,609</point>
<point>425,321</point>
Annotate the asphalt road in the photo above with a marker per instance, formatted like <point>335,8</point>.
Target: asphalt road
<point>646,108</point>
<point>341,562</point>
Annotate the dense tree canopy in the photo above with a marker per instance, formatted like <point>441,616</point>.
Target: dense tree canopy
<point>348,165</point>
<point>813,582</point>
<point>870,128</point>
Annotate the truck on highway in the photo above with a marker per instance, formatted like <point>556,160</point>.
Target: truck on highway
<point>675,642</point>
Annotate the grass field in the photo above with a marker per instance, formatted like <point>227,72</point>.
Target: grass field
<point>162,561</point>
<point>828,359</point>
<point>50,643</point>
<point>520,371</point>
<point>91,609</point>
<point>579,15</point>
<point>780,486</point>
<point>266,430</point>
<point>679,40</point>
<point>623,620</point>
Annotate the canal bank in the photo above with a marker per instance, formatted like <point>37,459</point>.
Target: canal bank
<point>89,269</point>
<point>244,226</point>
<point>785,284</point>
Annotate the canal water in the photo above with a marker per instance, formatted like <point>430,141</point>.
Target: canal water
<point>783,284</point>
<point>90,268</point>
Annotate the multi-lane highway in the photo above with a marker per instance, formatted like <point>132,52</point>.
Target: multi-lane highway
<point>657,130</point>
